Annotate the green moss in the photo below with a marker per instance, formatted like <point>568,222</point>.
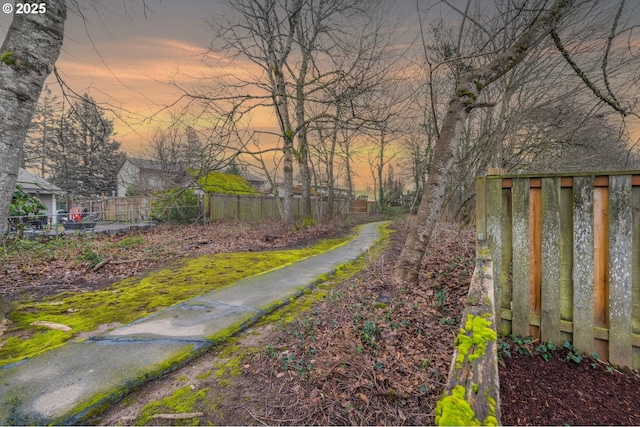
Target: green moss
<point>469,97</point>
<point>484,252</point>
<point>96,406</point>
<point>491,419</point>
<point>131,241</point>
<point>134,298</point>
<point>326,282</point>
<point>183,400</point>
<point>479,85</point>
<point>454,410</point>
<point>229,368</point>
<point>7,57</point>
<point>224,183</point>
<point>204,375</point>
<point>472,340</point>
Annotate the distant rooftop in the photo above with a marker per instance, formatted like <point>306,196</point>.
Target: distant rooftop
<point>31,183</point>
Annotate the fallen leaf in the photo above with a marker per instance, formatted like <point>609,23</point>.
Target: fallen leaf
<point>363,397</point>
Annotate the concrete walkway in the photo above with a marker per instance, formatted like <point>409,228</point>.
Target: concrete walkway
<point>64,385</point>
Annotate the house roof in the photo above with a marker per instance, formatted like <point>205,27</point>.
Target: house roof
<point>223,183</point>
<point>31,183</point>
<point>150,164</point>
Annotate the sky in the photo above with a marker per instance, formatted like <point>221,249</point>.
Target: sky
<point>124,55</point>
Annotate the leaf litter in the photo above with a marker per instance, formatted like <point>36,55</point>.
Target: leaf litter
<point>367,353</point>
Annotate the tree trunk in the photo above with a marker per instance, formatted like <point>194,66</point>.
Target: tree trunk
<point>462,102</point>
<point>434,192</point>
<point>305,174</point>
<point>28,54</point>
<point>287,170</point>
<point>380,166</point>
<point>303,142</point>
<point>282,109</point>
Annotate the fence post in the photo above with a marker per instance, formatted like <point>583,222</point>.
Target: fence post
<point>583,260</point>
<point>635,321</point>
<point>481,208</point>
<point>620,289</point>
<point>494,235</point>
<point>521,243</point>
<point>550,280</point>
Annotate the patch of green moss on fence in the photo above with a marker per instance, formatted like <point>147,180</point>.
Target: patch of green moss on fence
<point>491,419</point>
<point>472,340</point>
<point>134,298</point>
<point>454,410</point>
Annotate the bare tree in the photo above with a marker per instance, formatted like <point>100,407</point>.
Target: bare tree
<point>291,51</point>
<point>470,84</point>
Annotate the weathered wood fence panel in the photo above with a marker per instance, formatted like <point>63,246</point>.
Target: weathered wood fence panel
<point>125,209</point>
<point>258,208</point>
<point>566,256</point>
<point>215,207</point>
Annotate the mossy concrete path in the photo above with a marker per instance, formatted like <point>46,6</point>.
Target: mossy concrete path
<point>65,385</point>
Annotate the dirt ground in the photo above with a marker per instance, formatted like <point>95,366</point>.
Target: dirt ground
<point>32,270</point>
<point>359,352</point>
<point>562,392</point>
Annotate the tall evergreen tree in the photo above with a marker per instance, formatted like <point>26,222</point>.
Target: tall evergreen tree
<point>42,134</point>
<point>84,157</point>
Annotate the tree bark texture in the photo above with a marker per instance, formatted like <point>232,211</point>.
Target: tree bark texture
<point>28,54</point>
<point>467,92</point>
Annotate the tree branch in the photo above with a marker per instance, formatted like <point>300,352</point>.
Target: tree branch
<point>613,103</point>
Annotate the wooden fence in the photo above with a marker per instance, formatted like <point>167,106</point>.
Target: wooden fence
<point>214,207</point>
<point>248,208</point>
<point>121,209</point>
<point>258,208</point>
<point>566,258</point>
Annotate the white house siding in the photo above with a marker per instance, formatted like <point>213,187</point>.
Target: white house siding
<point>127,175</point>
<point>43,190</point>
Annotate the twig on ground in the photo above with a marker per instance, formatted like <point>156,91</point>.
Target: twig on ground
<point>183,416</point>
<point>101,264</point>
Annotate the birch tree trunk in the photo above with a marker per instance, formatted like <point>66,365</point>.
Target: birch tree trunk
<point>27,57</point>
<point>28,54</point>
<point>464,99</point>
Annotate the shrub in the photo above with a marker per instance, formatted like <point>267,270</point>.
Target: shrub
<point>23,205</point>
<point>175,205</point>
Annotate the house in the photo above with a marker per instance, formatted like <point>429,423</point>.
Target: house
<point>143,176</point>
<point>255,181</point>
<point>43,190</point>
<point>138,176</point>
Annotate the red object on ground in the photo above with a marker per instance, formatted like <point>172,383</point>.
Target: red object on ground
<point>75,214</point>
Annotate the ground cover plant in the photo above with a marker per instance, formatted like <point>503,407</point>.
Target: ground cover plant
<point>351,351</point>
<point>33,269</point>
<point>50,321</point>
